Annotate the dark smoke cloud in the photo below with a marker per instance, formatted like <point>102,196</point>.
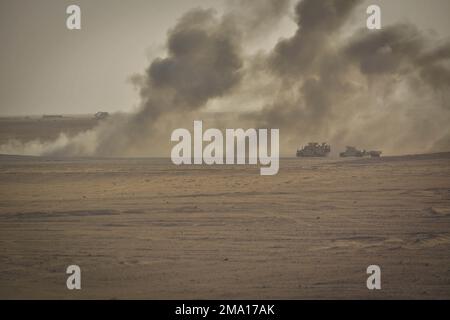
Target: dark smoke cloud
<point>382,89</point>
<point>317,21</point>
<point>203,61</point>
<point>255,19</point>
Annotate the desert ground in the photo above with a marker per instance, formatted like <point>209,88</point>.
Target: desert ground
<point>145,228</point>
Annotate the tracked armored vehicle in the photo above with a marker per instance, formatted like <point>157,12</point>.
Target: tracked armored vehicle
<point>375,154</point>
<point>353,152</point>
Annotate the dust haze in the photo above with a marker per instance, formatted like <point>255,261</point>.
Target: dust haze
<point>383,89</point>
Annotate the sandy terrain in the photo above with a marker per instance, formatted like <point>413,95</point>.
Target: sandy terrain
<point>144,228</point>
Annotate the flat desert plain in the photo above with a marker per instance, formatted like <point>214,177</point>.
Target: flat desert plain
<point>145,228</point>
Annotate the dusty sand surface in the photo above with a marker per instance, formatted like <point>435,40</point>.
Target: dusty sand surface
<point>144,228</point>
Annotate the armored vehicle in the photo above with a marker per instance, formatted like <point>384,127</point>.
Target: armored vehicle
<point>375,154</point>
<point>314,149</point>
<point>353,152</point>
<point>101,115</point>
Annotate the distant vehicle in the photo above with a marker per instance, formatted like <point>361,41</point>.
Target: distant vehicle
<point>314,149</point>
<point>353,152</point>
<point>375,154</point>
<point>101,115</point>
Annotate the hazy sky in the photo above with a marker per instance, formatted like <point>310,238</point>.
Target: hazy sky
<point>45,68</point>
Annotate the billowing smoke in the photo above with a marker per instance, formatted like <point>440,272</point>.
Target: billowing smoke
<point>384,89</point>
<point>203,61</point>
<point>377,89</point>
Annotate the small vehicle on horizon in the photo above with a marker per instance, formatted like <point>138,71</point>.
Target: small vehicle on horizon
<point>101,115</point>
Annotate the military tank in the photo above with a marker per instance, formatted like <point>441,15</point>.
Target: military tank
<point>375,153</point>
<point>314,149</point>
<point>353,152</point>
